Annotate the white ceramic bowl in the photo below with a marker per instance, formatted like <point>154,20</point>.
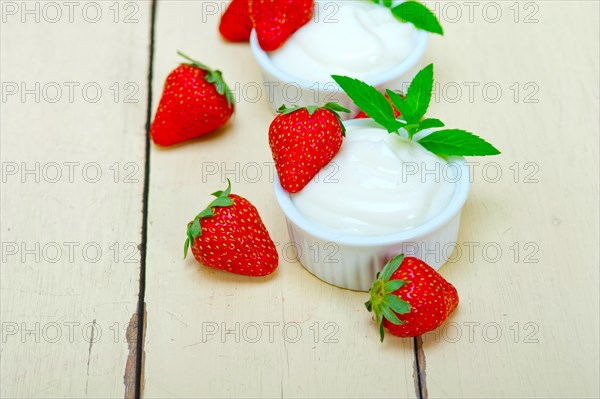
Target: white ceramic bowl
<point>352,262</point>
<point>282,88</point>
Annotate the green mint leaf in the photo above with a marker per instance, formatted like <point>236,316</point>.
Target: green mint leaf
<point>390,315</point>
<point>457,142</point>
<point>418,95</point>
<point>370,100</point>
<point>430,123</point>
<point>411,130</point>
<point>397,305</point>
<point>399,103</point>
<point>418,15</point>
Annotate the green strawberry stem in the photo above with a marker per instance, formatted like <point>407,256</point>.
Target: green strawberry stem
<point>215,77</point>
<point>333,107</point>
<point>194,229</point>
<point>383,303</point>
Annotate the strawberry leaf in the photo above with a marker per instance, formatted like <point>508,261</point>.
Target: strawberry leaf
<point>193,61</point>
<point>418,15</point>
<point>336,107</point>
<point>186,247</point>
<point>194,229</point>
<point>381,302</point>
<point>333,107</point>
<point>390,315</point>
<point>393,285</point>
<point>457,142</point>
<point>221,201</point>
<point>214,77</point>
<point>390,268</point>
<point>370,101</point>
<point>397,304</point>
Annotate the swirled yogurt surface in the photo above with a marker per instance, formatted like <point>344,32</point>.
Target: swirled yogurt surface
<point>378,183</point>
<point>357,38</point>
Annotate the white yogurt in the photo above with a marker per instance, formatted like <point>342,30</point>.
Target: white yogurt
<point>378,183</point>
<point>356,38</point>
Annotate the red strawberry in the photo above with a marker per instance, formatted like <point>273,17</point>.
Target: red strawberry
<point>409,298</point>
<point>236,24</point>
<point>276,20</point>
<point>303,141</point>
<point>229,235</point>
<point>195,101</point>
<point>362,115</point>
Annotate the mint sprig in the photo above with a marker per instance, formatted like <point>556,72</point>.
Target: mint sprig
<point>371,101</point>
<point>447,142</point>
<point>333,107</point>
<point>215,77</point>
<point>415,13</point>
<point>194,229</point>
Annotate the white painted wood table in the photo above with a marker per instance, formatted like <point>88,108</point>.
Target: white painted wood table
<point>93,217</point>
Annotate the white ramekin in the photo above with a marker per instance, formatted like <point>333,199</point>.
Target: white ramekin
<point>352,262</point>
<point>282,88</point>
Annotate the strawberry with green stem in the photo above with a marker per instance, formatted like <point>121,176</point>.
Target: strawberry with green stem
<point>409,298</point>
<point>229,235</point>
<point>303,140</point>
<point>195,101</point>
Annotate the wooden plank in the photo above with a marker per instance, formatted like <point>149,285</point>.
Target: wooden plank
<point>72,183</point>
<point>541,292</point>
<point>188,351</point>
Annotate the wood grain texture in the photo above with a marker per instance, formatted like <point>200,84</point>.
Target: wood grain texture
<point>542,299</point>
<point>65,314</point>
<point>526,266</point>
<point>186,302</point>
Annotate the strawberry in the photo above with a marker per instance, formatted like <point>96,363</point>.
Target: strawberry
<point>236,24</point>
<point>229,235</point>
<point>409,298</point>
<point>362,115</point>
<point>276,20</point>
<point>195,101</point>
<point>303,140</point>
